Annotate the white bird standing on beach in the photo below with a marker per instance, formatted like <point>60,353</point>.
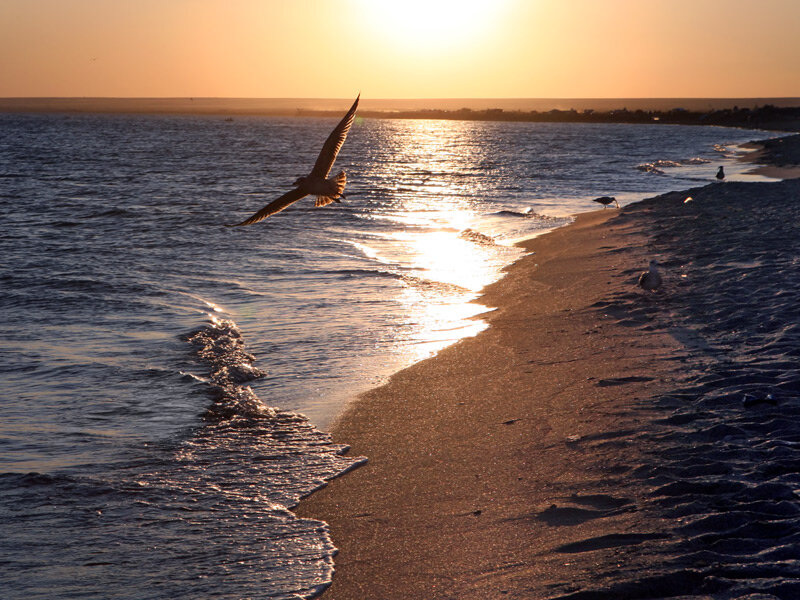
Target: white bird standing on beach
<point>650,279</point>
<point>317,183</point>
<point>720,174</point>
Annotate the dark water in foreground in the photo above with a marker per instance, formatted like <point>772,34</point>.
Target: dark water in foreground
<point>156,365</point>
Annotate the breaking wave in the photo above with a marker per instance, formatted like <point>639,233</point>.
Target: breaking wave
<point>657,166</point>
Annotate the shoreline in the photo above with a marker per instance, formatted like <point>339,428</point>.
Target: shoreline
<point>458,496</point>
<point>775,157</point>
<point>495,467</point>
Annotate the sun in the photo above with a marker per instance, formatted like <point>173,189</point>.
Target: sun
<point>424,26</point>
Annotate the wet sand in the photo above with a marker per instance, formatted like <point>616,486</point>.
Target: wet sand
<point>596,441</point>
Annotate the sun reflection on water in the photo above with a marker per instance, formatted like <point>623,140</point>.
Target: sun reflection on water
<point>431,187</point>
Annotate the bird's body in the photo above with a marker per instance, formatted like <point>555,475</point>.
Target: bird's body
<point>326,190</point>
<point>606,201</point>
<point>720,174</point>
<point>317,183</point>
<point>650,279</point>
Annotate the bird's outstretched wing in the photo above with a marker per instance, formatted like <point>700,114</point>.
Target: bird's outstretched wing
<point>273,207</point>
<point>334,143</point>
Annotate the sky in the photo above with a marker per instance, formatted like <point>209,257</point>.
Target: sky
<point>400,49</point>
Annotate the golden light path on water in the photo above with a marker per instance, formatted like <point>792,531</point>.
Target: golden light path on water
<point>433,216</point>
<point>448,260</point>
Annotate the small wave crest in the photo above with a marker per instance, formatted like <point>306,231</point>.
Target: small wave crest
<point>728,149</point>
<point>529,213</point>
<point>351,273</point>
<point>657,166</point>
<point>220,345</point>
<point>477,237</point>
<point>440,287</point>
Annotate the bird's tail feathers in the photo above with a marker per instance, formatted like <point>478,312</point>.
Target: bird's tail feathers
<point>340,179</point>
<point>323,200</point>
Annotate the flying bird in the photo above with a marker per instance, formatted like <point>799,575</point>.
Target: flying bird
<point>606,201</point>
<point>317,183</point>
<point>650,279</point>
<point>720,174</point>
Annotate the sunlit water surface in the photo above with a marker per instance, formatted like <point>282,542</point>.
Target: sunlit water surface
<point>166,380</point>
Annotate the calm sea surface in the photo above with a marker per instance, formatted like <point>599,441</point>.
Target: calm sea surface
<point>166,381</point>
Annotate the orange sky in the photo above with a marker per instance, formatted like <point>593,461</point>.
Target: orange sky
<point>400,49</point>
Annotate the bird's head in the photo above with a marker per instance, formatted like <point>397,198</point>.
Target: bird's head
<point>299,181</point>
<point>653,264</point>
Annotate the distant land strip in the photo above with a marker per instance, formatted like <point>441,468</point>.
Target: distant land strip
<point>766,117</point>
<point>777,114</point>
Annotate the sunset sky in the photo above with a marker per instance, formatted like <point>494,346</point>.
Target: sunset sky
<point>400,49</point>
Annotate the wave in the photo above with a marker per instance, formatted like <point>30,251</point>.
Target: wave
<point>380,273</point>
<point>528,213</point>
<point>533,222</point>
<point>405,278</point>
<point>649,168</point>
<point>220,345</point>
<point>658,165</point>
<point>441,287</point>
<point>477,237</point>
<point>221,494</point>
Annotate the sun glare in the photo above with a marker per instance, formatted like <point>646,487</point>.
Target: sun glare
<point>428,25</point>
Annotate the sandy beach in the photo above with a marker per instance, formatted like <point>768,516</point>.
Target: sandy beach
<point>547,456</point>
<point>776,157</point>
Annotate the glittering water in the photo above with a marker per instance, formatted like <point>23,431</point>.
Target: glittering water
<point>156,366</point>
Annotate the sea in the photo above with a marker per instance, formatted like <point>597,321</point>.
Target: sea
<point>167,383</point>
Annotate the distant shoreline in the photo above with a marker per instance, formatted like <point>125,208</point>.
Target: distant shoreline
<point>756,113</point>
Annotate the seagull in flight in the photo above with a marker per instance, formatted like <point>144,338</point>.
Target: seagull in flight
<point>317,183</point>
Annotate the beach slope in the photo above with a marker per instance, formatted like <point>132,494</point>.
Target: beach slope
<point>489,457</point>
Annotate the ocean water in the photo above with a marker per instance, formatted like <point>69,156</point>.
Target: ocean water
<point>167,382</point>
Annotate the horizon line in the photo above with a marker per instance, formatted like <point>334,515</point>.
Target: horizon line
<point>416,98</point>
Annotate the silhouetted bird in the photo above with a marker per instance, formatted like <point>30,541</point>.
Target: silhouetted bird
<point>606,201</point>
<point>720,174</point>
<point>316,183</point>
<point>650,279</point>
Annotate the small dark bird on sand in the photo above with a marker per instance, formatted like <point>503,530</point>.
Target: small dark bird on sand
<point>650,279</point>
<point>606,201</point>
<point>316,183</point>
<point>720,174</point>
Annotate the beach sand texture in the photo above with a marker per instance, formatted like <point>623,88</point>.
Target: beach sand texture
<point>597,440</point>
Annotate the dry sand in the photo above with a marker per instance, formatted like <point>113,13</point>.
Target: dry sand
<point>469,451</point>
